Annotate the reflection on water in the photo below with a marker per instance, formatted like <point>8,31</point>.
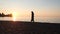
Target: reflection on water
<point>37,19</point>
<point>14,18</point>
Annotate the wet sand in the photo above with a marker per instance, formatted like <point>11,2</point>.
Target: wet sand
<point>24,27</point>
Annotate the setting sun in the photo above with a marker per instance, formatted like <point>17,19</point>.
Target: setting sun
<point>14,15</point>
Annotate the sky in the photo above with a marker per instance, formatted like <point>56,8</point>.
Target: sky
<point>50,8</point>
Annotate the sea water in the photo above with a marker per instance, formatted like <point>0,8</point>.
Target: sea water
<point>36,19</point>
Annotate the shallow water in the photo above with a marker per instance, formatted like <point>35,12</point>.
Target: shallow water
<point>37,19</point>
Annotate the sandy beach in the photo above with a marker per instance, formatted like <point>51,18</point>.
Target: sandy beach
<point>22,27</point>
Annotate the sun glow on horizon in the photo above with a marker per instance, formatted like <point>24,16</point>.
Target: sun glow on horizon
<point>14,15</point>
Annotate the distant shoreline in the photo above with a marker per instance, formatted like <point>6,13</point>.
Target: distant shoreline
<point>3,15</point>
<point>29,22</point>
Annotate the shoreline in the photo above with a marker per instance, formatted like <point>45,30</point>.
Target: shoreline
<point>29,22</point>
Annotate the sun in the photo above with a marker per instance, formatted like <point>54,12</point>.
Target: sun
<point>14,15</point>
